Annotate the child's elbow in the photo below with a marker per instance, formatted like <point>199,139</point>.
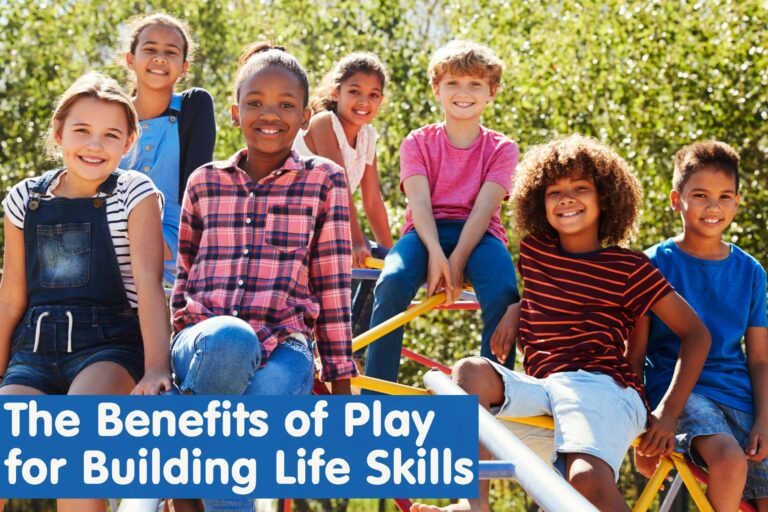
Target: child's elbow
<point>699,334</point>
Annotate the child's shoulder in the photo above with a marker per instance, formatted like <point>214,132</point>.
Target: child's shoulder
<point>195,96</point>
<point>498,137</point>
<point>749,260</point>
<point>316,165</point>
<point>430,131</point>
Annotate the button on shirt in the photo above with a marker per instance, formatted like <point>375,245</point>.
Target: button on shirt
<point>276,253</point>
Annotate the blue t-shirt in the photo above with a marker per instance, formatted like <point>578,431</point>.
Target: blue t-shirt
<point>729,295</point>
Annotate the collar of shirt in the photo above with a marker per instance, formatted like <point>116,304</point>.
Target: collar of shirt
<point>292,163</point>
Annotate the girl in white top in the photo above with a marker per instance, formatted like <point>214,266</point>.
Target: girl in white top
<point>344,104</point>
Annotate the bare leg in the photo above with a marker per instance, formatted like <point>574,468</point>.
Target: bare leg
<point>102,378</point>
<point>727,465</point>
<point>477,377</point>
<point>593,478</point>
<point>184,505</point>
<point>761,504</point>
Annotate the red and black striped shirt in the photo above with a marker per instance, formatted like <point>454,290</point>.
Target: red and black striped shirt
<point>578,310</point>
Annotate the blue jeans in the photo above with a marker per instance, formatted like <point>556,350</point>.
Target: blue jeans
<point>489,269</point>
<point>362,296</point>
<point>222,356</point>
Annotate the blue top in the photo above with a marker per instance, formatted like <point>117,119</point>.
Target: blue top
<point>729,295</point>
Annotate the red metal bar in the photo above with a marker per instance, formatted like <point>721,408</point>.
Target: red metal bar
<point>430,363</point>
<point>403,504</point>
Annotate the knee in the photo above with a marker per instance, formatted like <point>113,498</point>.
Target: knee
<point>592,483</point>
<point>231,340</point>
<point>725,458</point>
<point>393,285</point>
<point>476,376</point>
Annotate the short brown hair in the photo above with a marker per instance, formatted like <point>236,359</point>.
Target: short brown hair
<point>699,155</point>
<point>91,85</point>
<point>461,57</point>
<point>617,186</point>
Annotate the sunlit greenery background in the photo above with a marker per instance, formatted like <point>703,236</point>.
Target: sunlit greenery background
<point>645,77</point>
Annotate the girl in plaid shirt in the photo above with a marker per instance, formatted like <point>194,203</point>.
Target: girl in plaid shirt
<point>264,253</point>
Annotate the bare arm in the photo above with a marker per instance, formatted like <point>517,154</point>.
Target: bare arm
<point>756,341</point>
<point>419,198</point>
<point>321,140</point>
<point>374,205</point>
<point>637,346</point>
<point>488,200</point>
<point>694,347</point>
<point>146,236</point>
<point>13,289</point>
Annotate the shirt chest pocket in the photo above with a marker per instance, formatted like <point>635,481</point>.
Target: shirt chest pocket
<point>288,227</point>
<point>65,254</point>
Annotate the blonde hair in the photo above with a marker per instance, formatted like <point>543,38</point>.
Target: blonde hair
<point>91,85</point>
<point>461,58</point>
<point>357,62</point>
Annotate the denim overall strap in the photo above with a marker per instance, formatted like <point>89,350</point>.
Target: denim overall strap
<point>70,257</point>
<point>159,157</point>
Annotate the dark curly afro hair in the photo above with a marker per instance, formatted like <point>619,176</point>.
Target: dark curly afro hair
<point>583,157</point>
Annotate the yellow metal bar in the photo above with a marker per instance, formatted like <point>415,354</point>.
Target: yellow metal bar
<point>396,321</point>
<point>374,263</point>
<point>692,484</point>
<point>653,485</point>
<point>534,421</point>
<point>384,386</point>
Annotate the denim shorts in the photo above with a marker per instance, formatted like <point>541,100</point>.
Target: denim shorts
<point>593,414</point>
<point>46,357</point>
<point>702,416</point>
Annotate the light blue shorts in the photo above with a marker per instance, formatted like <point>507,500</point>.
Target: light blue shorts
<point>592,413</point>
<point>702,417</point>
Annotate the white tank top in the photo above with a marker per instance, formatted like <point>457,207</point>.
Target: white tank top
<point>355,159</point>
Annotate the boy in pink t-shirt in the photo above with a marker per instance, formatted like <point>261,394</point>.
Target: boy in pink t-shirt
<point>455,175</point>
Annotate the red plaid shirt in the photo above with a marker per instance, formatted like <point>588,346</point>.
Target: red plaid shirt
<point>276,253</point>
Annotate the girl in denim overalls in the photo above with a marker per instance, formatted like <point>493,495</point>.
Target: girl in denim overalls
<point>177,131</point>
<point>83,263</point>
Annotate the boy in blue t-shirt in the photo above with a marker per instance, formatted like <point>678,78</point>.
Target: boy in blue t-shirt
<point>724,425</point>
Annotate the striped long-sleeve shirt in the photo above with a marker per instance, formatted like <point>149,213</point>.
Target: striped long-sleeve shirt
<point>276,253</point>
<point>578,310</point>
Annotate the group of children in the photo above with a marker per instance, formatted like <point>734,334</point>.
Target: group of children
<point>260,248</point>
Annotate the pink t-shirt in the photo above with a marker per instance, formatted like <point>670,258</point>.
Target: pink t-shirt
<point>455,175</point>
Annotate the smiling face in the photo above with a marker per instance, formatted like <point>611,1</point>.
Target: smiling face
<point>573,209</point>
<point>463,97</point>
<point>158,60</point>
<point>270,113</point>
<point>707,203</point>
<point>92,139</point>
<point>359,98</point>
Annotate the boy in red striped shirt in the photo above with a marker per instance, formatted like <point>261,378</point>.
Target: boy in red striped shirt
<point>577,200</point>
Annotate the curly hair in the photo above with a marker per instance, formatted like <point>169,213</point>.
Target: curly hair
<point>357,62</point>
<point>617,186</point>
<point>700,155</point>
